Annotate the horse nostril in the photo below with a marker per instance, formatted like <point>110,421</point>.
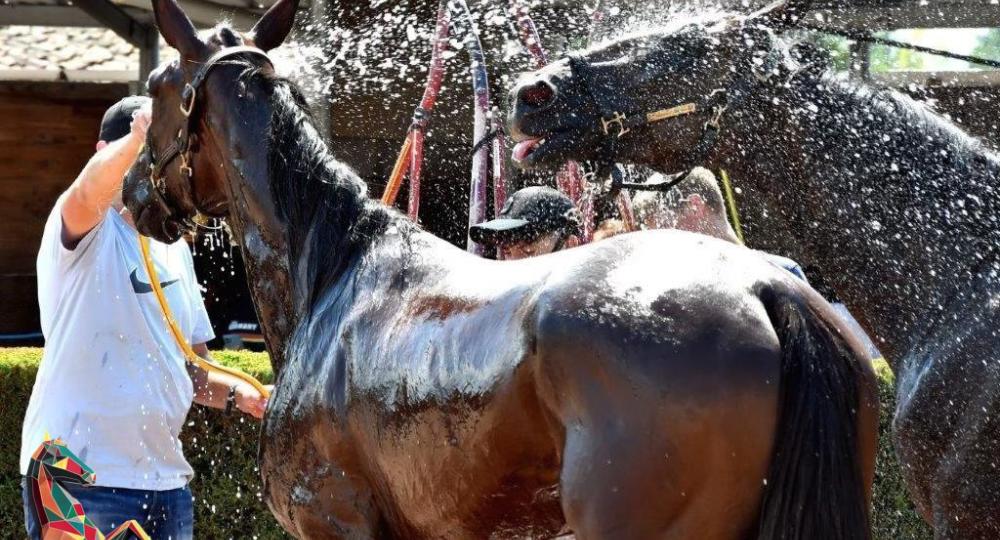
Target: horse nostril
<point>537,95</point>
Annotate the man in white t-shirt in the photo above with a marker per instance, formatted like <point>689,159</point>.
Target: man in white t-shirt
<point>113,383</point>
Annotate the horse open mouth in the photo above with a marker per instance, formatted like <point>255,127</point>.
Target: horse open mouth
<point>525,148</point>
<point>537,151</point>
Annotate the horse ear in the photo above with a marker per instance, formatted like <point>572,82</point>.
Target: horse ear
<point>177,28</point>
<point>274,26</point>
<point>780,15</point>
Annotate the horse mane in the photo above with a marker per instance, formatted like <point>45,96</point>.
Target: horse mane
<point>896,104</point>
<point>331,220</point>
<point>929,153</point>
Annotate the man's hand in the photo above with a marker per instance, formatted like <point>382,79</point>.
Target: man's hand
<point>250,401</point>
<point>140,123</point>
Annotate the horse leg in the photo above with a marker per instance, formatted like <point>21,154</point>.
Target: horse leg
<point>947,430</point>
<point>658,444</point>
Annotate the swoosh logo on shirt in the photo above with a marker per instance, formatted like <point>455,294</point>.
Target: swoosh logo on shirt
<point>141,287</point>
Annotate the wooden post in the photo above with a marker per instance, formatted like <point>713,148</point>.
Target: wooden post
<point>149,57</point>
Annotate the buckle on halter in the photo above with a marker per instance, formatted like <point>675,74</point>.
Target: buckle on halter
<point>185,167</point>
<point>716,119</point>
<point>153,178</point>
<point>190,99</point>
<point>617,120</point>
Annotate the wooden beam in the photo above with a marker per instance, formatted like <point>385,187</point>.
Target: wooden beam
<point>67,75</point>
<point>203,14</point>
<point>149,58</point>
<point>115,19</point>
<point>861,62</point>
<point>911,15</point>
<point>45,15</point>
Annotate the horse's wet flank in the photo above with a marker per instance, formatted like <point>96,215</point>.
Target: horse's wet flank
<point>896,205</point>
<point>426,393</point>
<point>442,307</point>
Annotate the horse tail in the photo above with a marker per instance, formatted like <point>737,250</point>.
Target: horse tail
<point>815,487</point>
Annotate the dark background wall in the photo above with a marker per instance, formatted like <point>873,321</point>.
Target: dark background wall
<point>47,133</point>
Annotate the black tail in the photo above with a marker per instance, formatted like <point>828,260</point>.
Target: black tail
<point>815,487</point>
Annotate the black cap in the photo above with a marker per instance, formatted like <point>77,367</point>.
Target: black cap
<point>528,214</point>
<point>117,119</point>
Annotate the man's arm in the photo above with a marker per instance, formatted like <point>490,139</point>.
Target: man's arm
<point>212,389</point>
<point>100,181</point>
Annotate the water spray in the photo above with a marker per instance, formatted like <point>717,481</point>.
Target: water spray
<point>485,126</point>
<point>569,179</point>
<point>481,106</point>
<point>412,152</point>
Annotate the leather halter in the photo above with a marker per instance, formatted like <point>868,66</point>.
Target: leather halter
<point>180,147</point>
<point>615,124</point>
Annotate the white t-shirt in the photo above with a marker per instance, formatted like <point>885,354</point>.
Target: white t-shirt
<point>113,382</point>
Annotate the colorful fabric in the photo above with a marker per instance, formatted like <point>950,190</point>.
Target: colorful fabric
<point>60,515</point>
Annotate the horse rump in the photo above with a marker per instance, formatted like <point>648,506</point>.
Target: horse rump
<point>815,484</point>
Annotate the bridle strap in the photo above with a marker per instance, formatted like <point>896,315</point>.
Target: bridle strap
<point>714,106</point>
<point>189,97</point>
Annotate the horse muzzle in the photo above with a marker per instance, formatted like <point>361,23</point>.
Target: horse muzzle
<point>152,216</point>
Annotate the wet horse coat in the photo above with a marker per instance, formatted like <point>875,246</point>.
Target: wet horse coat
<point>896,204</point>
<point>488,396</point>
<point>640,387</point>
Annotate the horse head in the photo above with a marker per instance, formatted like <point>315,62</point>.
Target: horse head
<point>62,465</point>
<point>644,97</point>
<point>178,177</point>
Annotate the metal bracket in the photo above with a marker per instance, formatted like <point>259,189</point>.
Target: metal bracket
<point>617,120</point>
<point>190,103</point>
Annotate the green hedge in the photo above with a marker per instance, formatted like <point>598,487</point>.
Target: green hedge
<point>223,452</point>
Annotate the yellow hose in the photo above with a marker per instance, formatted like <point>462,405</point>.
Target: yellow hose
<point>398,171</point>
<point>734,212</point>
<point>189,353</point>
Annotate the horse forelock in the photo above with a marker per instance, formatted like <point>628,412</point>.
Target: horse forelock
<point>223,35</point>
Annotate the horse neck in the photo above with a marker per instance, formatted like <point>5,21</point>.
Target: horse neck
<point>301,218</point>
<point>888,199</point>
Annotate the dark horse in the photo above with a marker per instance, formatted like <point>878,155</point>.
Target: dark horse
<point>896,204</point>
<point>657,385</point>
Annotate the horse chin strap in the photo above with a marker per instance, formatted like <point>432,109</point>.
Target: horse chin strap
<point>181,145</point>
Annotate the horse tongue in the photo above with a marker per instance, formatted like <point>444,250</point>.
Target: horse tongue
<point>524,148</point>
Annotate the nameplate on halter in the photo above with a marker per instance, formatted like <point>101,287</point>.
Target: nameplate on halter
<point>679,110</point>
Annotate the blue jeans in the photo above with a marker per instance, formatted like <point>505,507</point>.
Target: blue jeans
<point>165,515</point>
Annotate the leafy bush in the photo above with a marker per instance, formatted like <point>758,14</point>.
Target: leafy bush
<point>222,449</point>
<point>893,513</point>
<point>223,452</point>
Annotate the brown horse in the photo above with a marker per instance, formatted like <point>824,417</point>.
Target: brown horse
<point>898,207</point>
<point>660,384</point>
